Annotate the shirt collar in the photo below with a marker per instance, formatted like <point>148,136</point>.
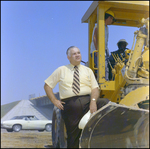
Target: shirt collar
<point>72,66</point>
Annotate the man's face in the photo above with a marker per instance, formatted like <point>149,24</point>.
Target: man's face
<point>122,46</point>
<point>109,20</point>
<point>75,56</point>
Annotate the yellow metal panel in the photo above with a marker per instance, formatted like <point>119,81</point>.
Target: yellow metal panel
<point>91,24</point>
<point>134,63</point>
<point>127,23</point>
<point>136,96</point>
<point>145,56</point>
<point>145,3</point>
<point>132,16</point>
<point>89,40</point>
<point>110,85</point>
<point>132,5</point>
<point>101,43</point>
<point>119,82</point>
<point>106,94</point>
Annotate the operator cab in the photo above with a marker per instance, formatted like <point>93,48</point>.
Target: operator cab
<point>127,14</point>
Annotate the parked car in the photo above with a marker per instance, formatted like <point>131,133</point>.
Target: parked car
<point>28,122</point>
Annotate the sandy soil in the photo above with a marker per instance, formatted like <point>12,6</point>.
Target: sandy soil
<point>25,139</point>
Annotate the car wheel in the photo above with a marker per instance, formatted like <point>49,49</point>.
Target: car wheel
<point>48,127</point>
<point>9,130</point>
<point>17,128</point>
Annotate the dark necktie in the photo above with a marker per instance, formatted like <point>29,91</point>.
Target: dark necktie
<point>76,81</point>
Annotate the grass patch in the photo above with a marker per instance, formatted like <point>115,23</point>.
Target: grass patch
<point>7,107</point>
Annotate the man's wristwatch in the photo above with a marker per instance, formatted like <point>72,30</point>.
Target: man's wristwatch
<point>93,99</point>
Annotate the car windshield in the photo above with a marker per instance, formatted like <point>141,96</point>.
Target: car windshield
<point>25,117</point>
<point>33,118</point>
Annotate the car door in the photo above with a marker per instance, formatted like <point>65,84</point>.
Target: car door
<point>32,124</point>
<point>25,123</point>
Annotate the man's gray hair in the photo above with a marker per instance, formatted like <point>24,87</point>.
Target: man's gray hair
<point>68,50</point>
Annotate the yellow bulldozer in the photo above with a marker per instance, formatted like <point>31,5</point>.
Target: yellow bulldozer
<point>124,122</point>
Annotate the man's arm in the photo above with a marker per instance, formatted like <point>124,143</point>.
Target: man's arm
<point>94,95</point>
<point>95,38</point>
<point>53,99</point>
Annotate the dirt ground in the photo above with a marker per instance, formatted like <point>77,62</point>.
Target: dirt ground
<point>25,139</point>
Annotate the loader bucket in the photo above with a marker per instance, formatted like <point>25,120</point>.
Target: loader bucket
<point>116,126</point>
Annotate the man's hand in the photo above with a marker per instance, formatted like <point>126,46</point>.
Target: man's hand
<point>51,96</point>
<point>93,106</point>
<point>59,104</point>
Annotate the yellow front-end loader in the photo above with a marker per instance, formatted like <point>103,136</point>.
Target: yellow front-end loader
<point>124,121</point>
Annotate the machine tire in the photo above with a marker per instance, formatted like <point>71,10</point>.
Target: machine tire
<point>48,127</point>
<point>63,135</point>
<point>17,127</point>
<point>59,138</point>
<point>55,127</point>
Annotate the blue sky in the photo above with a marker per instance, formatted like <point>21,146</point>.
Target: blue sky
<point>34,38</point>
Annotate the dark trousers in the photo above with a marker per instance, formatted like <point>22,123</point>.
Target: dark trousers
<point>74,109</point>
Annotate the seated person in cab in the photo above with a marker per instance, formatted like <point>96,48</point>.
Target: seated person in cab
<point>122,43</point>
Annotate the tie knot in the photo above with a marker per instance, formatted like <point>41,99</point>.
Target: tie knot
<point>75,67</point>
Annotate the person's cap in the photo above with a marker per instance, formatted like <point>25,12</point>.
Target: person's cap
<point>84,120</point>
<point>122,40</point>
<point>111,14</point>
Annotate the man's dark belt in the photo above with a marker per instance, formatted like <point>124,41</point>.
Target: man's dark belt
<point>74,97</point>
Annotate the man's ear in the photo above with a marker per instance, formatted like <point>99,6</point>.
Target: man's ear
<point>68,57</point>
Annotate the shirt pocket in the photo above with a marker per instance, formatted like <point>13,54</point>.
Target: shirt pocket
<point>85,79</point>
<point>66,78</point>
